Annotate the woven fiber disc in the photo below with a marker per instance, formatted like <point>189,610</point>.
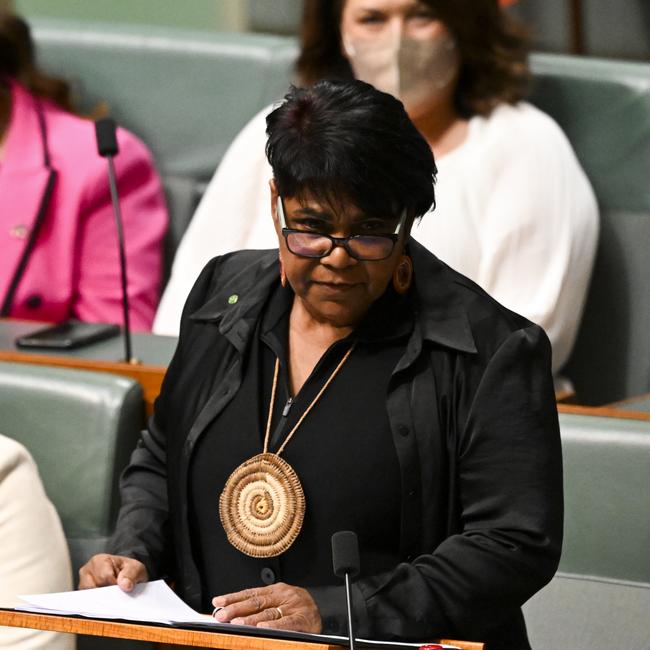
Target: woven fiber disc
<point>262,506</point>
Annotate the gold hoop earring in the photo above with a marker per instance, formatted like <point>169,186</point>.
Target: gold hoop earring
<point>283,275</point>
<point>403,275</point>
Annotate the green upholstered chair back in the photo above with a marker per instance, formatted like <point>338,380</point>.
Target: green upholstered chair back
<point>185,93</point>
<point>80,427</point>
<point>600,597</point>
<point>277,17</point>
<point>604,108</point>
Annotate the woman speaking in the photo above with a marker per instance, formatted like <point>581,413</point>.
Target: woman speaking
<point>350,380</point>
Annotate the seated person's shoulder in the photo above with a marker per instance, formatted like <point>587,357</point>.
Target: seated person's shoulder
<point>71,138</point>
<point>12,456</point>
<point>521,129</point>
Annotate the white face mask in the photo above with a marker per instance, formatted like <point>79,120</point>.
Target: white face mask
<point>415,71</point>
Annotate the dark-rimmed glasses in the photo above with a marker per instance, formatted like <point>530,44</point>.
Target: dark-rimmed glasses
<point>365,248</point>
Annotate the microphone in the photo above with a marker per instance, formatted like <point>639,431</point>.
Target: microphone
<point>345,560</point>
<point>107,148</point>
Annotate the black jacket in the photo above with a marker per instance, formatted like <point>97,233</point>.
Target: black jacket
<point>474,421</point>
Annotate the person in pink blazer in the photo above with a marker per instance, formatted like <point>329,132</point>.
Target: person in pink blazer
<point>58,238</point>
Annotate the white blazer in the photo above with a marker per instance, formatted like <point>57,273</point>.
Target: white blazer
<point>33,551</point>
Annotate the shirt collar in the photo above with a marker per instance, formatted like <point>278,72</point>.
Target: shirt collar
<point>237,303</point>
<point>441,309</point>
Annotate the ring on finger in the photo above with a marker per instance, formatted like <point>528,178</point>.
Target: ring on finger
<point>279,611</point>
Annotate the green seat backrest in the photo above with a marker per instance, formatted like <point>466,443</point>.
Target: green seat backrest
<point>607,497</point>
<point>185,93</point>
<point>604,108</point>
<point>81,428</point>
<point>277,17</point>
<point>601,596</point>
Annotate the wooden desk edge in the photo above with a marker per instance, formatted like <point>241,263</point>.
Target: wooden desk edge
<point>603,411</point>
<point>169,635</point>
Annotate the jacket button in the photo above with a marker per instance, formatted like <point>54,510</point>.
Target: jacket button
<point>19,231</point>
<point>34,301</point>
<point>403,430</point>
<point>268,575</point>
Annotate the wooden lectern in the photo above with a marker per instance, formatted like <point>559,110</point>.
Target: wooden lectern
<point>170,637</point>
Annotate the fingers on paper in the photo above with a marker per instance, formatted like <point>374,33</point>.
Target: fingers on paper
<point>99,571</point>
<point>131,573</point>
<point>242,604</point>
<point>103,570</point>
<point>278,606</point>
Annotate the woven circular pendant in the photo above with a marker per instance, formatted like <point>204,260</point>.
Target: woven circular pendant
<point>262,506</point>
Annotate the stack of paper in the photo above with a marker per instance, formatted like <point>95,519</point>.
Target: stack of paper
<point>153,602</point>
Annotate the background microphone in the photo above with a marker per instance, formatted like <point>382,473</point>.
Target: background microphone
<point>345,560</point>
<point>107,148</point>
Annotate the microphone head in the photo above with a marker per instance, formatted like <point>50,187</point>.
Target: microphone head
<point>106,138</point>
<point>345,553</point>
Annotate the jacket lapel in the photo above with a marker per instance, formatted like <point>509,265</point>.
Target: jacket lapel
<point>23,184</point>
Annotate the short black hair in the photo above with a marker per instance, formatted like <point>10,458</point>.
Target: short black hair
<point>341,141</point>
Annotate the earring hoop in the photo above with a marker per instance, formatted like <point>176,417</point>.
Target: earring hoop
<point>403,275</point>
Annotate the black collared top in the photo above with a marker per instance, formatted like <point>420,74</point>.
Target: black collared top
<point>343,452</point>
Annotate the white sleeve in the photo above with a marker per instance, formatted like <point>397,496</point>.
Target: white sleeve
<point>539,233</point>
<point>34,557</point>
<point>234,213</point>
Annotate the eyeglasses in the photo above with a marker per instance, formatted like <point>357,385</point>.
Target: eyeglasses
<point>365,248</point>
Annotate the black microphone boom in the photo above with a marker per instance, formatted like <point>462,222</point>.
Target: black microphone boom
<point>345,560</point>
<point>107,148</point>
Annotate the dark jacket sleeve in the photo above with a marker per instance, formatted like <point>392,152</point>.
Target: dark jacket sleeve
<point>508,477</point>
<point>143,527</point>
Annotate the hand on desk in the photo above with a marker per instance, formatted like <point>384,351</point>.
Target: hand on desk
<point>279,606</point>
<point>103,570</point>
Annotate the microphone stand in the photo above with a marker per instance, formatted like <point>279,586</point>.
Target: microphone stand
<point>107,147</point>
<point>348,595</point>
<point>128,354</point>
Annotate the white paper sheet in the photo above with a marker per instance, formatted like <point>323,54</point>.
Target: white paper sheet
<point>153,602</point>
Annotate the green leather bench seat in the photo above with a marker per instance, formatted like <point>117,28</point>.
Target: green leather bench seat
<point>185,93</point>
<point>600,597</point>
<point>81,428</point>
<point>604,108</point>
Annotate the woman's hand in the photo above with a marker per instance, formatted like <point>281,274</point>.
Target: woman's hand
<point>279,606</point>
<point>103,570</point>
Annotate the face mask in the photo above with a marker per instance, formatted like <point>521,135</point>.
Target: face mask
<point>415,71</point>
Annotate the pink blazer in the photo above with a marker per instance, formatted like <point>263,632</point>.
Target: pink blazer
<point>71,260</point>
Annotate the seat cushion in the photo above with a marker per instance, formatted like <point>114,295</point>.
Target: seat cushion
<point>589,613</point>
